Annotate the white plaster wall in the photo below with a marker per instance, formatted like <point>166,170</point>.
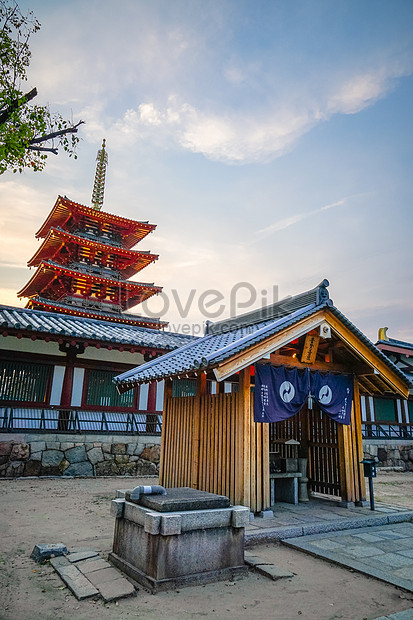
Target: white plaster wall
<point>57,384</point>
<point>77,389</point>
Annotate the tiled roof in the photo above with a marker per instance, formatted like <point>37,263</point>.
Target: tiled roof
<point>396,343</point>
<point>212,349</point>
<point>88,329</point>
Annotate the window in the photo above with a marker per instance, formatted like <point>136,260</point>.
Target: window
<point>384,410</point>
<point>101,391</point>
<point>183,387</point>
<point>24,382</point>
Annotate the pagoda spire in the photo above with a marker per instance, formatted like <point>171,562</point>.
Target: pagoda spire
<point>99,184</point>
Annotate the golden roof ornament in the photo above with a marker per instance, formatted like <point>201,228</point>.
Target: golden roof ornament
<point>99,184</point>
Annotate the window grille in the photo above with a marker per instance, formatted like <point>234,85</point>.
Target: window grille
<point>24,382</point>
<point>101,391</point>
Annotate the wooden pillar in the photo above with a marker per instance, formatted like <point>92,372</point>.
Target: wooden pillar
<point>167,395</point>
<point>345,456</point>
<point>151,417</point>
<point>201,391</point>
<point>358,448</point>
<point>243,440</point>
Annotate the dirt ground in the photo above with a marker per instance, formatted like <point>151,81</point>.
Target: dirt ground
<point>76,512</point>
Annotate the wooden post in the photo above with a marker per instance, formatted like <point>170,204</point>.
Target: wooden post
<point>360,479</point>
<point>167,395</point>
<point>243,440</point>
<point>345,463</point>
<point>201,389</point>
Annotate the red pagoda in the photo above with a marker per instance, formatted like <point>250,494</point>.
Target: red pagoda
<point>86,258</point>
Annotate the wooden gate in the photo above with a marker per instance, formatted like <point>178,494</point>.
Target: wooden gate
<point>318,437</point>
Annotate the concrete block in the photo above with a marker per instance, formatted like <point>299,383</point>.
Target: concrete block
<point>135,513</point>
<point>203,519</point>
<point>240,516</point>
<point>152,523</point>
<point>82,555</point>
<point>122,492</point>
<point>266,514</point>
<point>114,590</point>
<point>117,507</point>
<point>44,551</point>
<point>171,525</point>
<point>273,572</point>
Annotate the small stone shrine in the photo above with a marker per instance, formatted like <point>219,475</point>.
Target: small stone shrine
<point>185,537</point>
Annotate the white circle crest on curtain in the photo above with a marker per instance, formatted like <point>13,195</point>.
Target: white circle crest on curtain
<point>287,391</point>
<point>325,395</point>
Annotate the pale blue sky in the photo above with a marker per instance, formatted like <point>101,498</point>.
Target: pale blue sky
<point>270,141</point>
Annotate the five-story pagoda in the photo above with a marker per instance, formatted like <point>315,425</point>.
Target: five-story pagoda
<point>86,258</point>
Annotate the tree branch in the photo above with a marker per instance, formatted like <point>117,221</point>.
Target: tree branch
<point>4,116</point>
<point>42,148</point>
<point>56,134</point>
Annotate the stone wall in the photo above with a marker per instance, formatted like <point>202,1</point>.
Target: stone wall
<point>390,453</point>
<point>78,455</point>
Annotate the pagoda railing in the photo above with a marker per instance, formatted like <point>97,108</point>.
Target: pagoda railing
<point>76,420</point>
<point>387,430</point>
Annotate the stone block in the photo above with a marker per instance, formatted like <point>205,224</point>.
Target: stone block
<point>89,566</point>
<point>37,446</point>
<point>52,458</point>
<point>32,468</point>
<point>76,454</point>
<point>273,572</point>
<point>15,468</point>
<point>80,555</point>
<point>131,448</point>
<point>121,459</point>
<point>95,455</point>
<point>3,460</point>
<point>66,445</point>
<point>52,445</point>
<point>103,575</point>
<point>122,492</point>
<point>117,507</point>
<point>266,514</point>
<point>108,457</point>
<point>45,551</point>
<point>107,447</point>
<point>5,448</point>
<point>152,523</point>
<point>80,586</point>
<point>119,448</point>
<point>79,469</point>
<point>151,453</point>
<point>20,452</point>
<point>171,525</point>
<point>64,465</point>
<point>240,516</point>
<point>50,471</point>
<point>145,468</point>
<point>36,456</point>
<point>114,590</point>
<point>106,468</point>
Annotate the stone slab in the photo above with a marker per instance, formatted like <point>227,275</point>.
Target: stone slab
<point>83,554</point>
<point>81,587</point>
<point>273,572</point>
<point>103,575</point>
<point>181,499</point>
<point>88,566</point>
<point>407,614</point>
<point>253,560</point>
<point>114,590</point>
<point>45,551</point>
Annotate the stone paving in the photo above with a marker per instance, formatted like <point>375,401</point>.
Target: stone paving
<point>384,552</point>
<point>320,516</point>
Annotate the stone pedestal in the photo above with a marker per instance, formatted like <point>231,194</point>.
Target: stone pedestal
<point>163,549</point>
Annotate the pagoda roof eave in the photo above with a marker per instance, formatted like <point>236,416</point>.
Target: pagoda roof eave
<point>63,207</point>
<point>47,305</point>
<point>46,272</point>
<point>56,236</point>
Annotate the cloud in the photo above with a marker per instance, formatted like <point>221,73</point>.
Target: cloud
<point>260,134</point>
<point>286,222</point>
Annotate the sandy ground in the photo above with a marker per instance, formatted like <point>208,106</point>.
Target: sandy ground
<point>76,512</point>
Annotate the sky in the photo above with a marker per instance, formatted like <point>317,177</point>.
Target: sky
<point>270,141</point>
